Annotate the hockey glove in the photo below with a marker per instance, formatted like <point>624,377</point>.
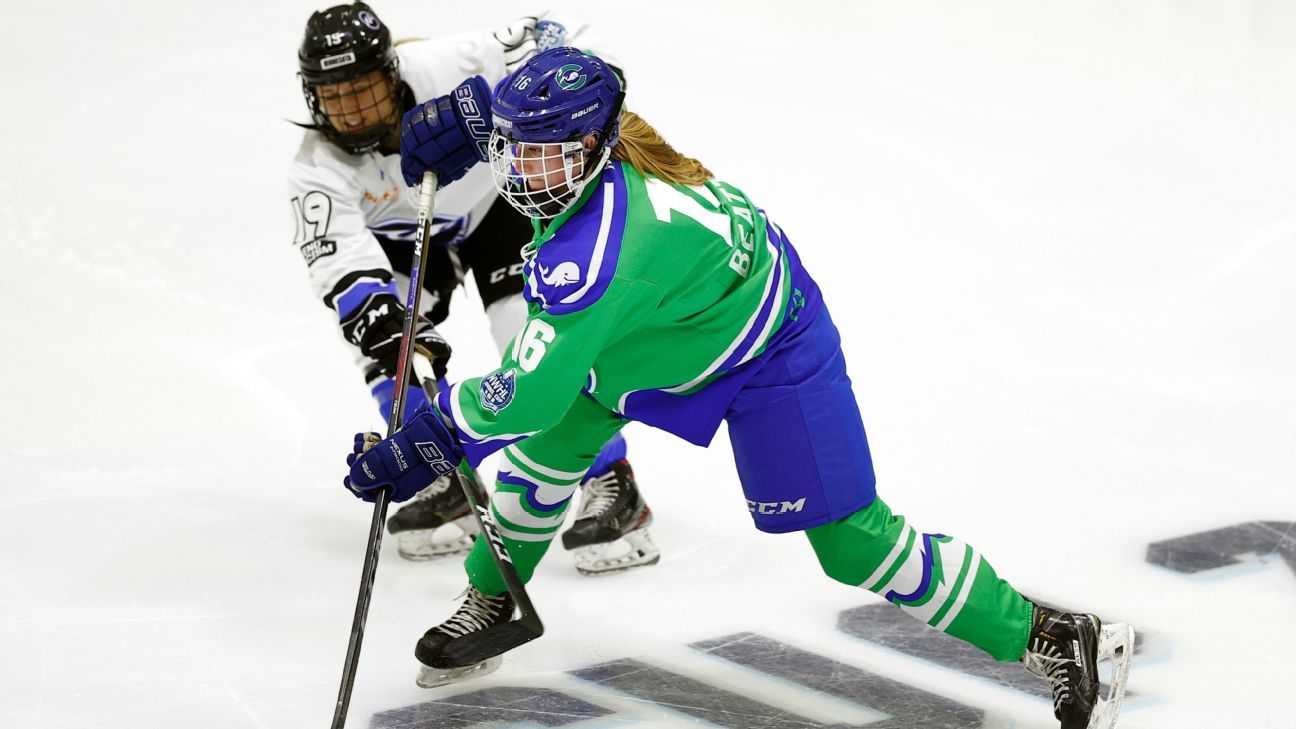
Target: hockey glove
<point>418,454</point>
<point>518,40</point>
<point>376,326</point>
<point>527,36</point>
<point>447,135</point>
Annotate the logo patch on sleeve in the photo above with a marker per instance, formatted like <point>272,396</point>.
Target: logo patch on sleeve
<point>498,389</point>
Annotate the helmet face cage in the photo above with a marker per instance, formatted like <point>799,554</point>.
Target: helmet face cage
<point>357,113</point>
<point>541,179</point>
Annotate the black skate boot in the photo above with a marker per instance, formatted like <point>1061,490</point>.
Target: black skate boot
<point>611,529</point>
<point>436,523</point>
<point>1065,649</point>
<point>436,650</point>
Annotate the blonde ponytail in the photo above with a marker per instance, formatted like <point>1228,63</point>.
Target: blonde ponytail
<point>643,147</point>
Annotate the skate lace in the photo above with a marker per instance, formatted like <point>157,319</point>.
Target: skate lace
<point>599,495</point>
<point>478,612</point>
<point>1047,661</point>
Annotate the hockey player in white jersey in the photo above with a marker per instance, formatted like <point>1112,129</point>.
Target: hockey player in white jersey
<point>355,222</point>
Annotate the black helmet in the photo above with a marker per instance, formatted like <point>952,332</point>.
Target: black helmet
<point>343,43</point>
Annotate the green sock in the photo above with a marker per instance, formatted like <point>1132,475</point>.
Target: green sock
<point>937,579</point>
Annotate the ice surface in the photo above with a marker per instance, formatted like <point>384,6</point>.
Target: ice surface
<point>1060,242</point>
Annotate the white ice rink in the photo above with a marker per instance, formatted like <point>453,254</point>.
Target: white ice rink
<point>1059,240</point>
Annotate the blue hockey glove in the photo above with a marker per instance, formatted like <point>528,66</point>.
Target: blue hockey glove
<point>409,461</point>
<point>447,135</point>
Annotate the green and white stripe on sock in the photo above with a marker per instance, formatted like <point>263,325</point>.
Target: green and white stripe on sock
<point>935,578</point>
<point>531,499</point>
<point>928,576</point>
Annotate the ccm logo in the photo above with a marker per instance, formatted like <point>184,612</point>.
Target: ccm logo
<point>775,507</point>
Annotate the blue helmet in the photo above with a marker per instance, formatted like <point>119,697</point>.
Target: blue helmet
<point>543,113</point>
<point>560,96</point>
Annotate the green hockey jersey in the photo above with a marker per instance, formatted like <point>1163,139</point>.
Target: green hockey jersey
<point>645,296</point>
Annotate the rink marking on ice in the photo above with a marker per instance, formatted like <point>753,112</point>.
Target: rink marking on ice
<point>491,705</point>
<point>700,699</point>
<point>777,690</point>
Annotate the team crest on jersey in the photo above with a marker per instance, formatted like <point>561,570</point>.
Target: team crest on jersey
<point>498,389</point>
<point>564,274</point>
<point>570,77</point>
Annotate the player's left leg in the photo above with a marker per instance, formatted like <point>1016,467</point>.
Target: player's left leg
<point>804,461</point>
<point>610,533</point>
<point>536,481</point>
<point>535,484</point>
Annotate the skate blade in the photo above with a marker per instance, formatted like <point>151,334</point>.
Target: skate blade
<point>1115,643</point>
<point>447,540</point>
<point>432,677</point>
<point>635,549</point>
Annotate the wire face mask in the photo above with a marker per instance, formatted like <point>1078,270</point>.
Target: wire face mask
<point>356,114</point>
<point>540,180</point>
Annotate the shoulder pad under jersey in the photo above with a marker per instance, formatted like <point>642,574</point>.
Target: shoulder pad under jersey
<point>573,269</point>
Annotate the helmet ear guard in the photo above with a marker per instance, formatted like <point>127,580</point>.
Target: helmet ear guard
<point>611,132</point>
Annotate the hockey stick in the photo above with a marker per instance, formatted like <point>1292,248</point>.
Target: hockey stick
<point>479,646</point>
<point>427,195</point>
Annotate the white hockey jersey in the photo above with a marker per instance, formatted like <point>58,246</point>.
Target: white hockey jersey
<point>343,203</point>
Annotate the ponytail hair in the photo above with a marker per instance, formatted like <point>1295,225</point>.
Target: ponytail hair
<point>641,146</point>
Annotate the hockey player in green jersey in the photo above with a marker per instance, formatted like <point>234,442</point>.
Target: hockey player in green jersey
<point>657,293</point>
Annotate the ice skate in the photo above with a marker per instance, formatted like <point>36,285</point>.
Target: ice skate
<point>611,529</point>
<point>476,617</point>
<point>436,523</point>
<point>1065,650</point>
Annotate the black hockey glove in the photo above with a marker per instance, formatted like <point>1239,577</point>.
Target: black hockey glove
<point>375,327</point>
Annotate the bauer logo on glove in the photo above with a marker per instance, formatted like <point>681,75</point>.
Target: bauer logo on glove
<point>433,455</point>
<point>447,135</point>
<point>385,465</point>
